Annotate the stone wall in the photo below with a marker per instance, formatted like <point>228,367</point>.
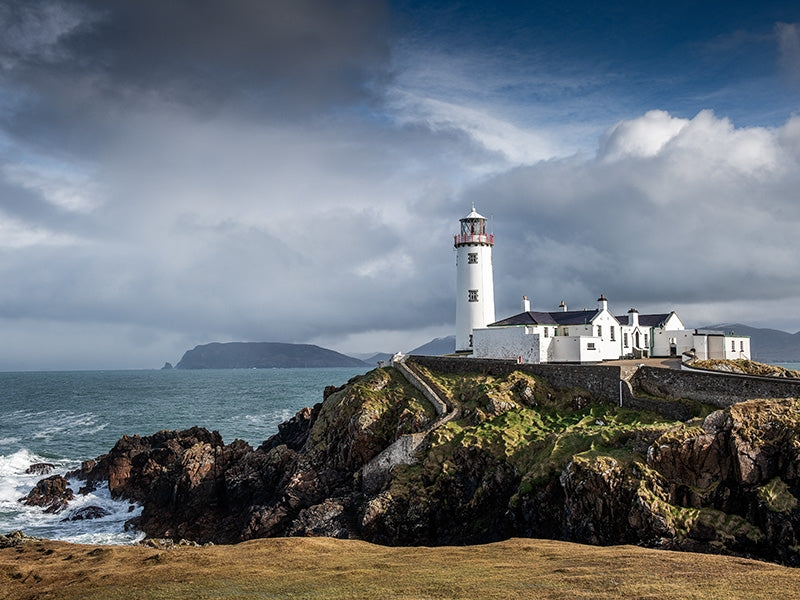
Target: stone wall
<point>666,391</point>
<point>602,381</point>
<point>718,389</point>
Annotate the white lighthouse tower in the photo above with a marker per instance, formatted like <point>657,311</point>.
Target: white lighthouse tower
<point>474,281</point>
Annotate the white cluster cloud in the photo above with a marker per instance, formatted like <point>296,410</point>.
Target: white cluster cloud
<point>671,213</point>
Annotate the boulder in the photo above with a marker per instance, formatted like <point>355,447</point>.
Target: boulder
<point>41,468</point>
<point>86,513</point>
<point>52,494</point>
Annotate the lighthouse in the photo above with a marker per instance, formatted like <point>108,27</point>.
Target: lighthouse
<point>474,281</point>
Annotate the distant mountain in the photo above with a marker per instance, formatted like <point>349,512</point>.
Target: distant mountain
<point>766,345</point>
<point>437,347</point>
<point>376,358</point>
<point>263,355</point>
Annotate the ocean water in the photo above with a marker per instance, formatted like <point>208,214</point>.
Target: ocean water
<point>64,418</point>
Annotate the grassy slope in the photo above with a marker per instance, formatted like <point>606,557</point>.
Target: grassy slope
<point>320,568</point>
<point>537,441</point>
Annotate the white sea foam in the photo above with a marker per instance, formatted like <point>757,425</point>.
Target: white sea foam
<point>15,483</point>
<point>61,422</point>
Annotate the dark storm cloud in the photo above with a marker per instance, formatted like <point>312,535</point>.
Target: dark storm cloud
<point>78,66</point>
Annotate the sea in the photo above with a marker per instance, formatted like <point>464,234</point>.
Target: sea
<point>65,418</point>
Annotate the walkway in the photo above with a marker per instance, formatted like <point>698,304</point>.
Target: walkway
<point>403,451</point>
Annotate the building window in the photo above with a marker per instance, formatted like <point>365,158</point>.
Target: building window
<point>590,346</point>
<point>741,346</point>
<point>599,331</point>
<point>645,341</point>
<point>613,337</point>
<point>472,258</point>
<point>566,331</point>
<point>470,340</point>
<point>473,295</point>
<point>733,345</point>
<point>625,340</point>
<point>546,332</point>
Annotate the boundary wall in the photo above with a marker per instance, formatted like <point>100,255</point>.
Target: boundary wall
<point>660,390</point>
<point>602,381</point>
<point>717,388</point>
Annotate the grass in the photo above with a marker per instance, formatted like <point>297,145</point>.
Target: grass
<point>323,569</point>
<point>537,440</point>
<point>744,366</point>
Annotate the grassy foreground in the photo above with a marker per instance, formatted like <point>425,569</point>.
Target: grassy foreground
<point>317,568</point>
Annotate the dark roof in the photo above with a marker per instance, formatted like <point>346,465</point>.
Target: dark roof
<point>570,317</point>
<point>647,320</point>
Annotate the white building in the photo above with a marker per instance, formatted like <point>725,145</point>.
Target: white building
<point>474,280</point>
<point>563,335</point>
<point>595,335</point>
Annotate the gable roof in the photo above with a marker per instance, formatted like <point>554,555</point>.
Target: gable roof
<point>570,317</point>
<point>648,320</point>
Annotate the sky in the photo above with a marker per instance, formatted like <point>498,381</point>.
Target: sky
<point>177,172</point>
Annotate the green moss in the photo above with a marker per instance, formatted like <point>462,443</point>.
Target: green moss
<point>699,523</point>
<point>381,402</point>
<point>776,496</point>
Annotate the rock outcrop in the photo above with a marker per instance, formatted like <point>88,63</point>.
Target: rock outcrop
<point>53,494</point>
<point>522,459</point>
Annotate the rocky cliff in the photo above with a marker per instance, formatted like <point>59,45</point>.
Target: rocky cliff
<point>521,459</point>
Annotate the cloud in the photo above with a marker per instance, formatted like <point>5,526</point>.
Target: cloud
<point>173,173</point>
<point>671,213</point>
<point>642,137</point>
<point>788,35</point>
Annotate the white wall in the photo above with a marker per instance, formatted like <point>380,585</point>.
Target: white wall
<point>511,343</point>
<point>736,347</point>
<point>684,341</point>
<point>473,276</point>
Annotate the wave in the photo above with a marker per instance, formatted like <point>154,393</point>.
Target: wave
<point>16,483</point>
<point>61,422</point>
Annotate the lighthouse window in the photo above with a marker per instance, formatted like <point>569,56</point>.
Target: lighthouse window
<point>472,258</point>
<point>612,333</point>
<point>473,295</point>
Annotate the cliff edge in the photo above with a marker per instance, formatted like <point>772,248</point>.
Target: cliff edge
<point>520,459</point>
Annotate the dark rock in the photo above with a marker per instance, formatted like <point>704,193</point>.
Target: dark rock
<point>87,512</point>
<point>52,494</point>
<point>167,366</point>
<point>729,483</point>
<point>41,468</point>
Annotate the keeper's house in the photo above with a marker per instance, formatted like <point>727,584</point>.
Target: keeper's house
<point>588,336</point>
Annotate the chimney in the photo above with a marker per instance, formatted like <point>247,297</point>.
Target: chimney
<point>633,317</point>
<point>602,302</point>
<point>562,307</point>
<point>526,304</point>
